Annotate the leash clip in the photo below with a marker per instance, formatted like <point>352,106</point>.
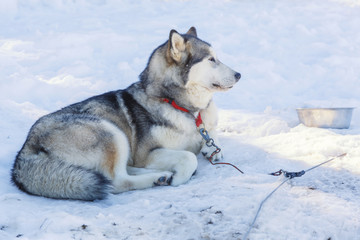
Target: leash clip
<point>209,141</point>
<point>205,135</point>
<point>287,174</point>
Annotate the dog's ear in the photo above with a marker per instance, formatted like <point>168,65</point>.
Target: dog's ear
<point>192,32</point>
<point>176,45</point>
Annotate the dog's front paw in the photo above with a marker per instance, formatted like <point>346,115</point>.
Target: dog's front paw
<point>211,152</point>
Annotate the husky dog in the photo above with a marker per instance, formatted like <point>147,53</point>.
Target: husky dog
<point>129,139</point>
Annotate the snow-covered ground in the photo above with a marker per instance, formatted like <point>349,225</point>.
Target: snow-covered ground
<point>291,54</point>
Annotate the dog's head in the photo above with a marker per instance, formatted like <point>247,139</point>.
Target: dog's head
<point>186,69</point>
<point>198,63</point>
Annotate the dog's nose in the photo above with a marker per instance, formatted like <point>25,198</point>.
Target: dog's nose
<point>237,76</point>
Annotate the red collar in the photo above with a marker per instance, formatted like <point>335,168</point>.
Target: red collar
<point>198,120</point>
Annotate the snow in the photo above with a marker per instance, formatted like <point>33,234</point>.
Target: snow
<point>290,53</point>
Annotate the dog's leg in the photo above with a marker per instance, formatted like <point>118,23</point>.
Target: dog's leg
<point>140,170</point>
<point>116,164</point>
<point>125,182</point>
<point>182,163</point>
<point>122,181</point>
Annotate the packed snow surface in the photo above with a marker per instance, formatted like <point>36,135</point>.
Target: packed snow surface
<point>290,53</point>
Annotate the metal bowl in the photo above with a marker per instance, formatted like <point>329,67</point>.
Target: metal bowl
<point>325,117</point>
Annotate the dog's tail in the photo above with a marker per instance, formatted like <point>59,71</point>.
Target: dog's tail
<point>52,178</point>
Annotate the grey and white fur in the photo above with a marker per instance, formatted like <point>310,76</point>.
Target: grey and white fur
<point>129,139</point>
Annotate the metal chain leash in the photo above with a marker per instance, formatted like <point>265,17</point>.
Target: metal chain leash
<point>211,143</point>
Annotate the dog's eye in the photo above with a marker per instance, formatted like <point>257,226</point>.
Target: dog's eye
<point>212,59</point>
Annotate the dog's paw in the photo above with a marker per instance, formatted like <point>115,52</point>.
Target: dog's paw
<point>164,180</point>
<point>209,151</point>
